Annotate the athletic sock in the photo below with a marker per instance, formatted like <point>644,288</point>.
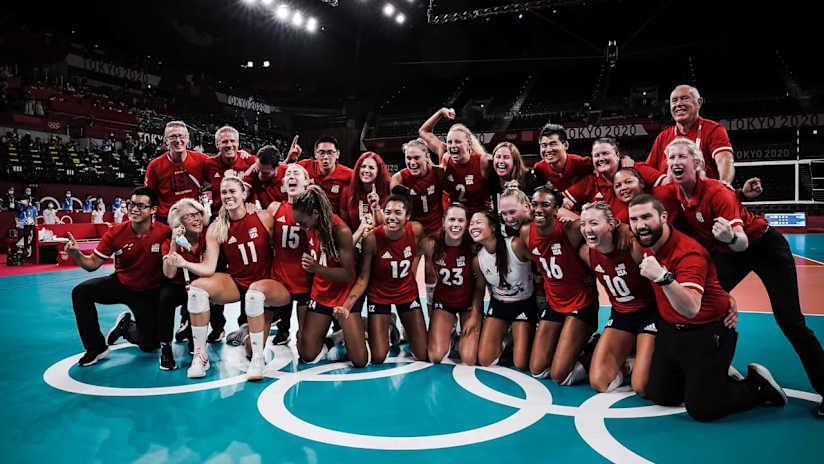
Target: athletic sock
<point>199,334</point>
<point>256,338</point>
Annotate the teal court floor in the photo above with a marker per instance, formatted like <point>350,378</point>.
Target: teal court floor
<point>126,410</point>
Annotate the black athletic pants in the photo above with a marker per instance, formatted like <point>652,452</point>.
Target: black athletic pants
<point>171,296</point>
<point>690,365</point>
<point>108,290</point>
<point>771,260</point>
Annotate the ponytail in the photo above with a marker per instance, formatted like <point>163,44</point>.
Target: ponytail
<point>313,199</point>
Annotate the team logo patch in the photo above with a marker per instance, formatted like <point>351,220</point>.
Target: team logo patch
<point>387,255</point>
<point>598,196</point>
<point>155,248</point>
<point>699,217</point>
<point>126,247</point>
<point>414,305</point>
<point>450,178</point>
<point>651,327</point>
<point>470,179</point>
<point>521,317</point>
<point>461,261</point>
<point>621,270</point>
<point>407,252</point>
<point>556,249</point>
<point>430,190</point>
<point>336,188</point>
<point>281,219</point>
<point>217,175</point>
<point>253,233</point>
<point>440,262</point>
<point>412,192</point>
<point>536,252</point>
<point>598,268</point>
<point>232,239</point>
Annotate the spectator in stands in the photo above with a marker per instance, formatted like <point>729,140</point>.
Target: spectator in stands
<point>88,203</point>
<point>711,137</point>
<point>50,213</point>
<point>227,141</point>
<point>557,166</point>
<point>10,203</point>
<point>98,211</point>
<point>116,203</point>
<point>27,193</point>
<point>66,205</point>
<point>135,281</point>
<point>178,173</point>
<point>26,213</point>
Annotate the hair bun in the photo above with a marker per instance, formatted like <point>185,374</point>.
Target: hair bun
<point>401,190</point>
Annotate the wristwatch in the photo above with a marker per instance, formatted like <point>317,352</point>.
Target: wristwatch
<point>666,279</point>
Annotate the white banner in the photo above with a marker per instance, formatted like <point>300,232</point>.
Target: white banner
<point>248,103</point>
<point>773,122</point>
<point>111,70</point>
<point>594,132</point>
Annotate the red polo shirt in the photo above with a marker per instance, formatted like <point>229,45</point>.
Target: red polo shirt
<point>138,259</point>
<point>710,136</point>
<point>333,183</point>
<point>595,187</point>
<point>576,168</point>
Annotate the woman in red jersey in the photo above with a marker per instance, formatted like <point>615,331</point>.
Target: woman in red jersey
<point>572,316</point>
<point>425,183</point>
<point>187,219</point>
<point>290,242</point>
<point>465,161</point>
<point>631,325</point>
<point>507,270</point>
<point>389,264</point>
<point>455,265</point>
<point>331,259</point>
<point>362,198</point>
<point>245,239</point>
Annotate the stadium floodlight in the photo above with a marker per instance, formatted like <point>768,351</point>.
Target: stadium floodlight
<point>389,9</point>
<point>266,64</point>
<point>311,25</point>
<point>400,18</point>
<point>249,2</point>
<point>282,12</point>
<point>250,64</point>
<point>266,2</point>
<point>297,19</point>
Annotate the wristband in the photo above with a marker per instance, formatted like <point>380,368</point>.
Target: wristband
<point>734,239</point>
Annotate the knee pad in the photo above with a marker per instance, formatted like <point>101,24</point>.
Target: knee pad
<point>198,302</point>
<point>254,303</point>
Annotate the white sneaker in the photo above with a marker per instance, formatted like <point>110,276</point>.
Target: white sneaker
<point>255,371</point>
<point>200,364</point>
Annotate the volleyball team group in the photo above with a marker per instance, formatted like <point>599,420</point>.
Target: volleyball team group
<point>667,239</point>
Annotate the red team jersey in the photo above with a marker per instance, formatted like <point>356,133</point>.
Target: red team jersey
<point>710,137</point>
<point>426,196</point>
<point>567,283</point>
<point>360,209</point>
<point>174,181</point>
<point>465,183</point>
<point>576,168</point>
<point>138,259</point>
<point>216,168</point>
<point>331,184</point>
<point>248,252</point>
<point>595,187</point>
<point>454,288</point>
<point>195,255</point>
<point>712,199</point>
<point>290,243</point>
<point>628,290</point>
<point>393,279</point>
<point>266,193</point>
<point>324,291</point>
<point>693,268</point>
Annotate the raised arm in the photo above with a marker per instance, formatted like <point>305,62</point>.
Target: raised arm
<point>90,262</point>
<point>427,130</point>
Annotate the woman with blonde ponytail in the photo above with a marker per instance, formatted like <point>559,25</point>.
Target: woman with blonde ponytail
<point>331,258</point>
<point>245,239</point>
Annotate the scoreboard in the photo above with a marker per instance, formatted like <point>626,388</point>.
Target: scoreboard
<point>787,219</point>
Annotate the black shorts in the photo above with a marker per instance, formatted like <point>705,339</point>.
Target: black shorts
<point>302,299</point>
<point>514,311</point>
<point>637,322</point>
<point>315,307</point>
<point>456,311</point>
<point>588,314</point>
<point>381,308</point>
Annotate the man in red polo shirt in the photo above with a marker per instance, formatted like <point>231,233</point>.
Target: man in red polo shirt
<point>178,173</point>
<point>711,137</point>
<point>266,178</point>
<point>598,185</point>
<point>741,242</point>
<point>557,166</point>
<point>327,172</point>
<point>135,282</point>
<point>227,140</point>
<point>695,345</point>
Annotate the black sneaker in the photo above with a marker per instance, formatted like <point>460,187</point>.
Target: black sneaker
<point>92,357</point>
<point>215,336</point>
<point>167,358</point>
<point>236,338</point>
<point>184,332</point>
<point>119,328</point>
<point>768,389</point>
<point>281,338</point>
